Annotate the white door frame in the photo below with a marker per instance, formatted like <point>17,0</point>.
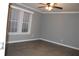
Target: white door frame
<point>3,25</point>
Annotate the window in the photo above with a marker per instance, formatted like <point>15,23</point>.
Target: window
<point>19,20</point>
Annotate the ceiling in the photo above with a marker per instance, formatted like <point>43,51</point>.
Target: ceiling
<point>67,7</point>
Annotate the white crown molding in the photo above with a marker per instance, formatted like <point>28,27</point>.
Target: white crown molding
<point>29,7</point>
<point>12,6</point>
<point>44,12</point>
<point>57,12</point>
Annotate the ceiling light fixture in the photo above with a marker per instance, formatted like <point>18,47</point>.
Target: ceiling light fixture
<point>50,6</point>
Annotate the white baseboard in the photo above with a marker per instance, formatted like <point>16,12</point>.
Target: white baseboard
<point>59,44</point>
<point>44,40</point>
<point>22,40</point>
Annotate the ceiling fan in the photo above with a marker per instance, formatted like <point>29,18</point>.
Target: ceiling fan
<point>49,6</point>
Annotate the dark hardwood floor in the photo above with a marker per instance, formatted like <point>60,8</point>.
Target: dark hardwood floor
<point>39,48</point>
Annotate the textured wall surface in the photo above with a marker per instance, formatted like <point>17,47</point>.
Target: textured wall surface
<point>61,28</point>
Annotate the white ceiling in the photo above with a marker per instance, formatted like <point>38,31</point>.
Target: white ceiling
<point>67,7</point>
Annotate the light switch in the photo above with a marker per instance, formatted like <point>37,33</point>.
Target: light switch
<point>1,45</point>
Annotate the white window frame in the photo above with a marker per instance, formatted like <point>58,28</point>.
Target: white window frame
<point>19,28</point>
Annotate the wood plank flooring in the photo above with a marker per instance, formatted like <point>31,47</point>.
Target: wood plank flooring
<point>39,48</point>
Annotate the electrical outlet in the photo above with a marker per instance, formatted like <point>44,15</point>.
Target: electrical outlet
<point>62,40</point>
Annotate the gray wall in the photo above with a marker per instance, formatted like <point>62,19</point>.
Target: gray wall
<point>58,27</point>
<point>61,28</point>
<point>35,28</point>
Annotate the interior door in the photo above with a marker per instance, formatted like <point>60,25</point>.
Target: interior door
<point>3,26</point>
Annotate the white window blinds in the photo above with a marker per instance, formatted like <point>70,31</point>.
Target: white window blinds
<point>19,21</point>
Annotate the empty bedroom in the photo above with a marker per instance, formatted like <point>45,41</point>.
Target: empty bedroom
<point>42,29</point>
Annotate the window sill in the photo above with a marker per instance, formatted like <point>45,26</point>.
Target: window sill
<point>25,33</point>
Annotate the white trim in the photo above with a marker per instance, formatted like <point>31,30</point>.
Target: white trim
<point>19,27</point>
<point>30,24</point>
<point>45,40</point>
<point>21,9</point>
<point>16,33</point>
<point>59,44</point>
<point>22,40</point>
<point>29,7</point>
<point>46,12</point>
<point>57,12</point>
